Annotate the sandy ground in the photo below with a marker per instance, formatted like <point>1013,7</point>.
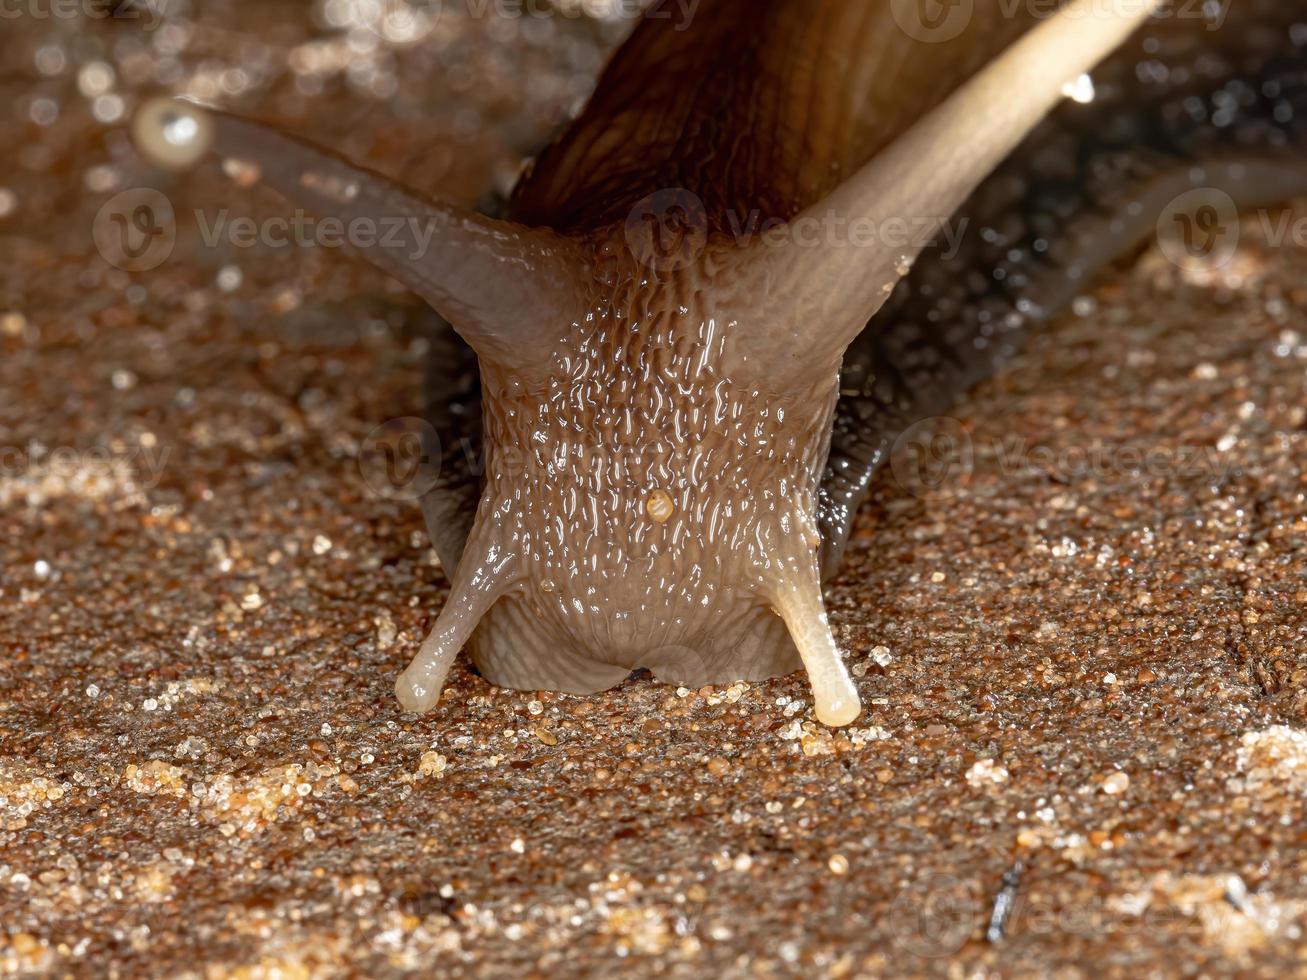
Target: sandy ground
<point>1083,654</point>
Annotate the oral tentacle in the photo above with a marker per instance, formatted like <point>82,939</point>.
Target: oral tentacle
<point>798,601</point>
<point>477,586</point>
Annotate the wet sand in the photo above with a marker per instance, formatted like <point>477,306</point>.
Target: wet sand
<point>1083,655</point>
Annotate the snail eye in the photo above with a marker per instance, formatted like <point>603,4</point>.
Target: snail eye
<point>172,134</point>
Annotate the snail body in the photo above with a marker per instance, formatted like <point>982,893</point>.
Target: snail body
<point>714,304</point>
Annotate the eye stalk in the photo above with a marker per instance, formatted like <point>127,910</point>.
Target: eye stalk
<point>834,291</point>
<point>495,281</point>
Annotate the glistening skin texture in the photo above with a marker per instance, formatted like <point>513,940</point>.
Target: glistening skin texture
<point>660,485</point>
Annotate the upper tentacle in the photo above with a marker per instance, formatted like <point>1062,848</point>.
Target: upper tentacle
<point>510,291</point>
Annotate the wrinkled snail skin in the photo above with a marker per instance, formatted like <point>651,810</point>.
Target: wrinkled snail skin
<point>671,458</point>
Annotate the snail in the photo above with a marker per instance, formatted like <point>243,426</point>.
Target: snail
<point>721,293</point>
